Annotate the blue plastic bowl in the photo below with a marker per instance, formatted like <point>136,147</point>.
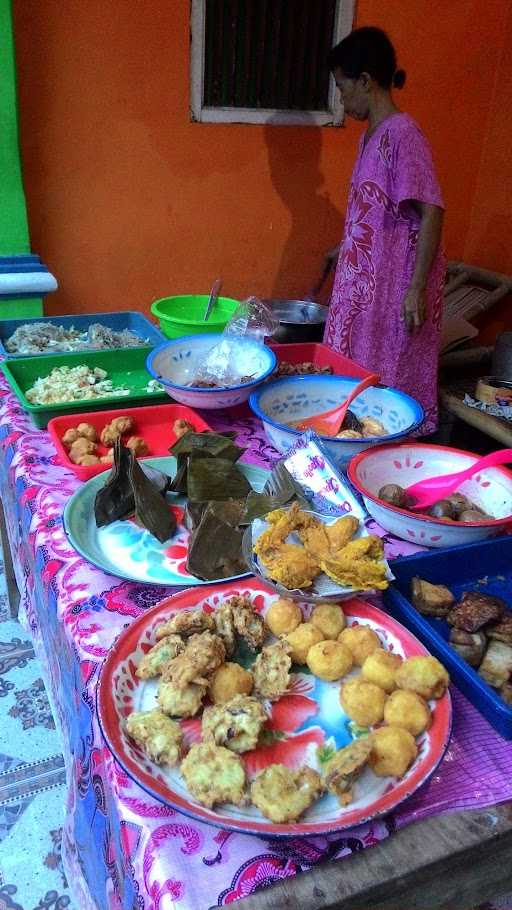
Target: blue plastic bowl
<point>293,398</point>
<point>175,365</point>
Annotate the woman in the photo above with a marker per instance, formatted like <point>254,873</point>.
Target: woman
<point>385,310</point>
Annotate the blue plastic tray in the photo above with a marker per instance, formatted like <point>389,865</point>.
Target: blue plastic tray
<point>131,320</point>
<point>484,567</point>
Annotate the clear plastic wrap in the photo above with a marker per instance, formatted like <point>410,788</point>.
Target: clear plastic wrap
<point>224,363</point>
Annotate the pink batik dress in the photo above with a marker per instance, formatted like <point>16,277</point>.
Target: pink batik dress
<point>376,264</point>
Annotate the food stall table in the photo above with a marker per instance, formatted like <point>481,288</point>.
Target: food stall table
<point>123,849</point>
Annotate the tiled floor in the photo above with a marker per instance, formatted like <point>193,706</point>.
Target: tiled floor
<point>32,779</point>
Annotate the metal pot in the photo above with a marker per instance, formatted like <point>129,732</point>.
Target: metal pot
<point>299,320</point>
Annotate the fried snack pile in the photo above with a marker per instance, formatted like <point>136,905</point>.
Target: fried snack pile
<point>481,630</point>
<point>357,564</point>
<point>194,659</point>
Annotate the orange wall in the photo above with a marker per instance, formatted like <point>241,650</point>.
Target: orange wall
<point>128,200</point>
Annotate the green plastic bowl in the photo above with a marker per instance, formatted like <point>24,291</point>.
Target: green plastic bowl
<point>179,316</point>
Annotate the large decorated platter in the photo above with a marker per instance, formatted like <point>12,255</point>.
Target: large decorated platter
<point>306,725</point>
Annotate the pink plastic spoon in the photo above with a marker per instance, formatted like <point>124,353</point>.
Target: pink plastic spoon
<point>329,422</point>
<point>432,489</point>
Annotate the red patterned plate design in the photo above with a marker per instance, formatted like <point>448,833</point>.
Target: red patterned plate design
<point>305,726</point>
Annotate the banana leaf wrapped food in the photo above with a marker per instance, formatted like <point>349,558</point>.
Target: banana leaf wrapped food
<point>132,488</point>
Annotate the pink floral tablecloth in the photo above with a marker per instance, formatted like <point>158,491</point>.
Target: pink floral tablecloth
<point>121,848</point>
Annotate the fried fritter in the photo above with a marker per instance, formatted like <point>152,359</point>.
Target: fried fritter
<point>329,660</point>
<point>380,668</point>
<point>154,662</point>
<point>184,702</point>
<point>214,775</point>
<point>408,710</point>
<point>359,565</point>
<point>431,600</point>
<point>158,735</point>
<point>283,795</point>
<point>236,724</point>
<point>282,523</point>
<point>202,655</point>
<point>363,701</point>
<point>345,766</point>
<point>224,626</point>
<point>341,532</point>
<point>361,642</point>
<point>316,542</point>
<point>329,619</point>
<point>186,623</point>
<point>271,671</point>
<point>423,675</point>
<point>393,751</point>
<point>283,616</point>
<point>301,640</point>
<point>502,631</point>
<point>229,680</point>
<point>496,667</point>
<point>471,647</point>
<point>248,624</point>
<point>475,610</point>
<point>290,566</point>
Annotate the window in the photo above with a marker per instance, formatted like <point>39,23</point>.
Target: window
<point>255,60</point>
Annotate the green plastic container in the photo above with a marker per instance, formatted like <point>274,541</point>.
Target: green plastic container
<point>179,316</point>
<point>126,369</point>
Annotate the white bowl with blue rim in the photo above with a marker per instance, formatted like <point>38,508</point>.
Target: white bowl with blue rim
<point>293,398</point>
<point>175,365</point>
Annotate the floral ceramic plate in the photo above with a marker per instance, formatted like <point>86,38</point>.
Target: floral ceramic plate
<point>127,550</point>
<point>305,726</point>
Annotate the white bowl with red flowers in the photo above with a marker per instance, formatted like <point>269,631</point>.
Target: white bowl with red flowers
<point>409,462</point>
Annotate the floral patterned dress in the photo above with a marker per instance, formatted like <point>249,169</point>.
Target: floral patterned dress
<point>376,263</point>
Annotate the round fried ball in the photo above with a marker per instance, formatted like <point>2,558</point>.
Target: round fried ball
<point>329,660</point>
<point>361,641</point>
<point>408,710</point>
<point>380,668</point>
<point>393,751</point>
<point>80,448</point>
<point>283,616</point>
<point>329,619</point>
<point>109,434</point>
<point>87,431</point>
<point>363,701</point>
<point>229,680</point>
<point>88,460</point>
<point>138,445</point>
<point>301,640</point>
<point>122,425</point>
<point>70,436</point>
<point>423,675</point>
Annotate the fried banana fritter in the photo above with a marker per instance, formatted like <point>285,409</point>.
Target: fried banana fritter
<point>291,566</point>
<point>158,735</point>
<point>154,662</point>
<point>236,724</point>
<point>359,565</point>
<point>214,775</point>
<point>183,702</point>
<point>345,766</point>
<point>271,671</point>
<point>186,623</point>
<point>201,657</point>
<point>283,795</point>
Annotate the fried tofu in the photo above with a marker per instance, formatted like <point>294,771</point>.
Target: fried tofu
<point>271,671</point>
<point>236,724</point>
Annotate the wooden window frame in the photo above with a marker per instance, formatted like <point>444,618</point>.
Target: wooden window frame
<point>200,113</point>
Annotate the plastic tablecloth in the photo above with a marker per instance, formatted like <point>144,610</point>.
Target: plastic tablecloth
<point>121,848</point>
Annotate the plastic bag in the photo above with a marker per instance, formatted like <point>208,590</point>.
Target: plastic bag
<point>226,364</point>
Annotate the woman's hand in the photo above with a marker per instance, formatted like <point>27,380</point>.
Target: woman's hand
<point>414,310</point>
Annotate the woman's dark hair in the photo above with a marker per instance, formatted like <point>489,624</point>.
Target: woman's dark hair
<point>367,50</point>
